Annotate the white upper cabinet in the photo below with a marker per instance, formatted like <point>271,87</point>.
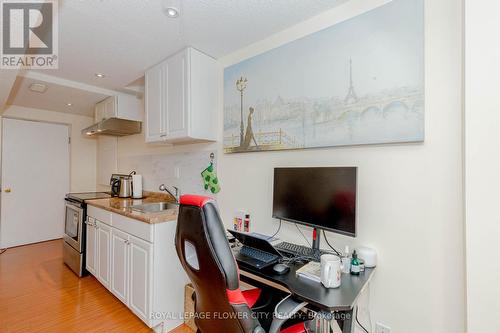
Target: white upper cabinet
<point>181,99</point>
<point>99,112</point>
<point>110,107</point>
<point>176,100</point>
<point>122,106</point>
<point>153,102</point>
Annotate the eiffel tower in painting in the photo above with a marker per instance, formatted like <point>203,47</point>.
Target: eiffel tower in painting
<point>351,97</point>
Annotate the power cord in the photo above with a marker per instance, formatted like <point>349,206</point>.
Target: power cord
<point>327,242</point>
<point>357,320</point>
<point>2,250</point>
<point>277,231</point>
<point>296,226</point>
<point>291,260</point>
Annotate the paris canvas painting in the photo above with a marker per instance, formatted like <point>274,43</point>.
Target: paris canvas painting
<point>360,81</point>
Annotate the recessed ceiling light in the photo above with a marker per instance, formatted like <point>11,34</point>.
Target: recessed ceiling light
<point>172,8</point>
<point>69,104</point>
<point>172,12</point>
<point>100,75</point>
<point>38,87</point>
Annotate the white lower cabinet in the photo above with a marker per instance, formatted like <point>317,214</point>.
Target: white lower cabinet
<point>91,254</point>
<point>104,253</point>
<point>120,264</point>
<point>137,262</point>
<point>140,285</point>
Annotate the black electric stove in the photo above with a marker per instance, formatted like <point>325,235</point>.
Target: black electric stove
<point>81,197</point>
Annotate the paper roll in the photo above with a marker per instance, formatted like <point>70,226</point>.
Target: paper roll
<point>136,186</point>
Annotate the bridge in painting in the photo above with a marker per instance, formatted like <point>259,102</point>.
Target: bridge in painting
<point>379,106</point>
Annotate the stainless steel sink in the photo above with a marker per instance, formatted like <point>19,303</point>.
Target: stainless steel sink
<point>154,207</point>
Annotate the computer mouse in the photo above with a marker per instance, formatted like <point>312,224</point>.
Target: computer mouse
<point>281,269</point>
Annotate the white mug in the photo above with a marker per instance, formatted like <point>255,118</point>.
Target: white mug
<point>331,271</point>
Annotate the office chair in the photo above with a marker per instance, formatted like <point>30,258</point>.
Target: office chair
<point>205,254</point>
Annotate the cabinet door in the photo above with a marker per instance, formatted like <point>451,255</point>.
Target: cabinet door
<point>91,250</point>
<point>176,96</point>
<point>103,254</point>
<point>110,107</point>
<point>99,112</point>
<point>119,264</point>
<point>154,85</point>
<point>140,277</point>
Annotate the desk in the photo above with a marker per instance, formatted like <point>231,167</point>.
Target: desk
<point>337,301</point>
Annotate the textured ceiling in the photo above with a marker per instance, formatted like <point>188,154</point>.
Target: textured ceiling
<point>122,38</point>
<point>55,98</point>
<point>7,79</point>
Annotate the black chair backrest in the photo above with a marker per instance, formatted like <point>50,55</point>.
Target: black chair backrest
<point>207,258</point>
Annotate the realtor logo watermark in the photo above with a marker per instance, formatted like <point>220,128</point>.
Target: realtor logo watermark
<point>29,34</point>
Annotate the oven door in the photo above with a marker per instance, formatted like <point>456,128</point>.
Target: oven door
<point>73,225</point>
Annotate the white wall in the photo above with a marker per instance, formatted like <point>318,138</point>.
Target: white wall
<point>83,150</point>
<point>157,163</point>
<point>410,195</point>
<point>181,169</point>
<point>482,123</point>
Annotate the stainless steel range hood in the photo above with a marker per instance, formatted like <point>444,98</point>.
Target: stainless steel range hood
<point>114,127</point>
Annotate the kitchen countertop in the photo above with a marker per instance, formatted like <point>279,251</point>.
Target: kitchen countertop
<point>122,206</point>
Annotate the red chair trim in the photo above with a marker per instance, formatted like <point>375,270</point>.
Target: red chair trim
<point>251,296</point>
<point>236,296</point>
<point>194,200</point>
<point>297,328</point>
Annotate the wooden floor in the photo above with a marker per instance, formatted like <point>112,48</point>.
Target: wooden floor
<point>38,293</point>
<point>182,329</point>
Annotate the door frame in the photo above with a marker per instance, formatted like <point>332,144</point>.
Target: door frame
<point>69,128</point>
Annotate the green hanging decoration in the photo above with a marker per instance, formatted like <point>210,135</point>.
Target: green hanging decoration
<point>210,180</point>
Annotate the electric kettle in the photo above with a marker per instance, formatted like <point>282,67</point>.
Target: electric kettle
<point>121,185</point>
<point>125,187</point>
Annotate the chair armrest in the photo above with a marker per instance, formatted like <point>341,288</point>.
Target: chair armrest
<point>285,310</point>
<point>259,329</point>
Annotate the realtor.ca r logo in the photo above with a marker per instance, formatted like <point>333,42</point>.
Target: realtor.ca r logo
<point>29,33</point>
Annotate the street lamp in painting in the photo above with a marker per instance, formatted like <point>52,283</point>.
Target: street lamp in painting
<point>241,84</point>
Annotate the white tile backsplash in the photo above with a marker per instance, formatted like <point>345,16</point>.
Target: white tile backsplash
<point>161,169</point>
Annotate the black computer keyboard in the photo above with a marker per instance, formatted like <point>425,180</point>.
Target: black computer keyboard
<point>257,254</point>
<point>296,250</point>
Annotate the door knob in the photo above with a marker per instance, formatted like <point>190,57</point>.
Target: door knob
<point>7,190</point>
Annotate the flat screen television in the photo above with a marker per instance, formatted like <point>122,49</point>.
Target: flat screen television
<point>320,197</point>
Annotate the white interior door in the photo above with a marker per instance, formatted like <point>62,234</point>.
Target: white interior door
<point>35,179</point>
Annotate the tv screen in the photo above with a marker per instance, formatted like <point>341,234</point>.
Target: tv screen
<point>318,197</point>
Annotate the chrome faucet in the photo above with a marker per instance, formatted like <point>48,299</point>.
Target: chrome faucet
<point>176,195</point>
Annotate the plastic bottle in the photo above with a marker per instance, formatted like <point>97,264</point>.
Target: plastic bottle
<point>246,223</point>
<point>355,269</point>
<point>346,261</point>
